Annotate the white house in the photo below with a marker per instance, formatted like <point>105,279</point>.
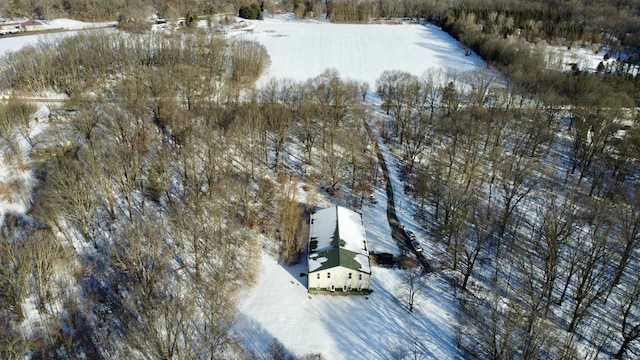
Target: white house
<point>338,252</point>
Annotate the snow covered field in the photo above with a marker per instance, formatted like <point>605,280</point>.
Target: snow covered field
<point>300,50</point>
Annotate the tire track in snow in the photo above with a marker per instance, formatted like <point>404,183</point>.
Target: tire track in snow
<point>397,229</point>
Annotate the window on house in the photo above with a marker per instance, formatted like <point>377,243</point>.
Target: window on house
<point>318,275</point>
<point>328,275</point>
<point>349,275</point>
<point>359,276</point>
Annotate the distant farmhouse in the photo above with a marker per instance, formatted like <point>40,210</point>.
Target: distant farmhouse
<point>33,25</point>
<point>18,27</point>
<point>338,252</point>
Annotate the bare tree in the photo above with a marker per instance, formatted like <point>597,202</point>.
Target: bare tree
<point>516,175</point>
<point>45,253</point>
<point>364,90</point>
<point>71,198</point>
<point>21,114</point>
<point>308,130</point>
<point>133,139</point>
<point>278,116</point>
<point>483,86</point>
<point>478,236</point>
<point>592,130</point>
<point>249,59</point>
<point>628,235</point>
<point>421,113</point>
<point>250,127</point>
<point>629,327</point>
<point>412,290</point>
<point>337,101</point>
<point>558,225</point>
<point>15,267</point>
<point>394,87</point>
<point>290,222</point>
<point>495,327</point>
<point>13,344</point>
<point>592,280</point>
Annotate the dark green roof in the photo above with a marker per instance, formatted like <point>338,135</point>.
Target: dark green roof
<point>339,257</point>
<point>326,241</point>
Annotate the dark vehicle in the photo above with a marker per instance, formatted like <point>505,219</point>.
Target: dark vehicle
<point>416,245</point>
<point>385,260</point>
<point>410,234</point>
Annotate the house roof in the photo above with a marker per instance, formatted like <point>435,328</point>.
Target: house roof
<point>31,22</point>
<point>337,238</point>
<point>9,25</point>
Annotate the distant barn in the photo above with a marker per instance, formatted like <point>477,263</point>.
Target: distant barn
<point>338,252</point>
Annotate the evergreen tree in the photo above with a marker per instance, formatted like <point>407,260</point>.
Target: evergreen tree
<point>251,12</point>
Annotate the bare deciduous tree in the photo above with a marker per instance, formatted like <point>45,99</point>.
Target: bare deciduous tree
<point>15,267</point>
<point>290,223</point>
<point>592,280</point>
<point>629,327</point>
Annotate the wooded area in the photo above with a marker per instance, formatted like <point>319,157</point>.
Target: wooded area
<point>534,206</point>
<point>168,178</point>
<point>158,175</point>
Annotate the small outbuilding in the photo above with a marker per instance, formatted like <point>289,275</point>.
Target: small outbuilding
<point>338,252</point>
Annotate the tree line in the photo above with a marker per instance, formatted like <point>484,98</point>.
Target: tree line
<point>548,19</point>
<point>502,33</point>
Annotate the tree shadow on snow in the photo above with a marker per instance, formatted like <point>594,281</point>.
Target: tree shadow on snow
<point>297,271</point>
<point>257,341</point>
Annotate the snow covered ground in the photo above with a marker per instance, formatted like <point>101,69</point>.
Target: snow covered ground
<point>377,326</point>
<point>12,44</point>
<point>562,58</point>
<point>71,24</point>
<point>278,307</point>
<point>346,327</point>
<point>301,50</point>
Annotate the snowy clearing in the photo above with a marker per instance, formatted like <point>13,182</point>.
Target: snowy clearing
<point>346,327</point>
<point>301,50</point>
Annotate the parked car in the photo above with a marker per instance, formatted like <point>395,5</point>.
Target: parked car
<point>416,245</point>
<point>410,234</point>
<point>385,259</point>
